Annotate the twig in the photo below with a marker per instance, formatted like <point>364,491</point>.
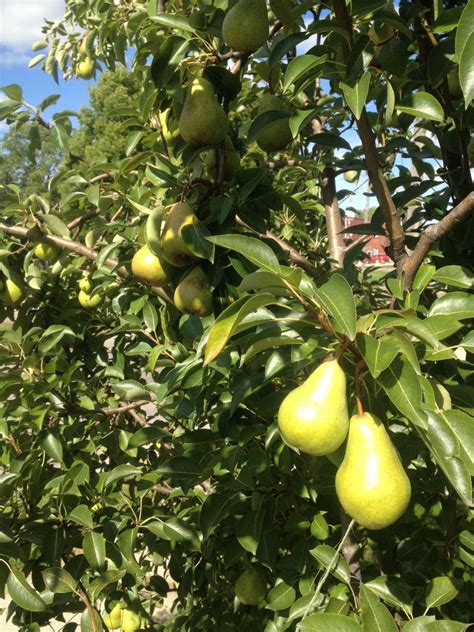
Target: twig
<point>79,221</point>
<point>111,410</point>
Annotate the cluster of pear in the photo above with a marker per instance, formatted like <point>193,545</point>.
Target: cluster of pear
<point>192,294</point>
<point>86,299</point>
<point>371,484</point>
<point>124,619</point>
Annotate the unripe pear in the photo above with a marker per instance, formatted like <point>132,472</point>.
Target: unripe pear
<point>193,295</point>
<point>169,126</point>
<point>12,292</point>
<point>131,621</point>
<point>277,135</point>
<point>250,587</point>
<point>314,417</point>
<point>203,120</point>
<point>173,247</point>
<point>245,27</point>
<point>351,176</point>
<point>113,619</point>
<point>89,301</point>
<point>148,267</point>
<point>230,165</point>
<point>85,68</point>
<point>85,284</point>
<point>371,484</point>
<point>46,252</point>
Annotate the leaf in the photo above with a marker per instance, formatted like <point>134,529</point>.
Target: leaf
<point>91,621</point>
<point>36,60</point>
<point>281,597</point>
<point>465,28</point>
<point>283,46</point>
<point>325,554</point>
<point>392,590</point>
<point>93,544</point>
<point>418,624</point>
<point>445,626</point>
<point>457,276</point>
<point>55,225</point>
<point>175,21</point>
<point>375,616</point>
<point>462,426</point>
<point>52,446</point>
<point>229,319</point>
<point>423,105</point>
<point>328,139</point>
<point>59,136</point>
<point>195,237</point>
<point>180,468</point>
<point>105,579</point>
<point>459,305</point>
<point>23,594</point>
<point>251,248</point>
<point>337,300</point>
<point>356,95</point>
<point>378,353</point>
<point>249,530</point>
<point>327,622</point>
<point>440,590</point>
<point>215,508</point>
<point>13,91</point>
<point>150,434</point>
<point>177,530</point>
<point>57,580</point>
<point>132,140</point>
<point>299,66</point>
<point>225,83</point>
<point>402,386</point>
<point>119,472</point>
<point>82,515</point>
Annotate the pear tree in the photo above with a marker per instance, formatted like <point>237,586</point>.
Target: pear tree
<point>217,411</point>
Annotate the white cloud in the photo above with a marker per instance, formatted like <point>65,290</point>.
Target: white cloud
<point>21,22</point>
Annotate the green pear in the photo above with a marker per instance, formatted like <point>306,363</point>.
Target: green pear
<point>203,120</point>
<point>193,295</point>
<point>169,126</point>
<point>351,176</point>
<point>231,161</point>
<point>85,68</point>
<point>113,619</point>
<point>314,417</point>
<point>250,587</point>
<point>371,484</point>
<point>277,135</point>
<point>12,292</point>
<point>173,247</point>
<point>131,621</point>
<point>148,267</point>
<point>47,252</point>
<point>245,27</point>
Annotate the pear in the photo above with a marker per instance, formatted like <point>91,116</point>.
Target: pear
<point>131,621</point>
<point>85,68</point>
<point>203,120</point>
<point>276,135</point>
<point>113,619</point>
<point>314,417</point>
<point>250,587</point>
<point>231,161</point>
<point>169,126</point>
<point>371,484</point>
<point>173,247</point>
<point>245,27</point>
<point>193,295</point>
<point>12,292</point>
<point>87,301</point>
<point>47,252</point>
<point>148,267</point>
<point>351,176</point>
<point>85,284</point>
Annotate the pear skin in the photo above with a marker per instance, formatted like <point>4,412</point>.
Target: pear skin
<point>231,161</point>
<point>314,417</point>
<point>245,27</point>
<point>193,295</point>
<point>371,484</point>
<point>173,247</point>
<point>277,135</point>
<point>148,267</point>
<point>203,120</point>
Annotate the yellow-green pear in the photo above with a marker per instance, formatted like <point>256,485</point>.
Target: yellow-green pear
<point>314,417</point>
<point>131,621</point>
<point>148,267</point>
<point>250,587</point>
<point>89,301</point>
<point>169,126</point>
<point>371,484</point>
<point>173,247</point>
<point>85,284</point>
<point>113,619</point>
<point>193,294</point>
<point>231,161</point>
<point>245,27</point>
<point>85,68</point>
<point>277,135</point>
<point>12,292</point>
<point>351,176</point>
<point>46,251</point>
<point>203,120</point>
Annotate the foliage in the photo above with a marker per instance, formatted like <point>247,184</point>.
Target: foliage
<point>140,451</point>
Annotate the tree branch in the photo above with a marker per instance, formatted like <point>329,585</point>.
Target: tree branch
<point>111,410</point>
<point>333,217</point>
<point>434,233</point>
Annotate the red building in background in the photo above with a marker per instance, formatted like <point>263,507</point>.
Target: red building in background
<point>375,247</point>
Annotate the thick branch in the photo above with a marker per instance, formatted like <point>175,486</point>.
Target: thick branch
<point>333,217</point>
<point>434,233</point>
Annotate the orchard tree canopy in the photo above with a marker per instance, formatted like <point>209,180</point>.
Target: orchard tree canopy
<point>186,327</point>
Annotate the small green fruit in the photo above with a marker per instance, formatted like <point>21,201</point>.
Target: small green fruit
<point>203,120</point>
<point>89,301</point>
<point>12,292</point>
<point>193,296</point>
<point>148,267</point>
<point>85,68</point>
<point>245,27</point>
<point>46,252</point>
<point>169,126</point>
<point>351,176</point>
<point>250,587</point>
<point>277,135</point>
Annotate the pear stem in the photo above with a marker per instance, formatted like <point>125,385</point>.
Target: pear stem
<point>328,570</point>
<point>358,369</point>
<point>343,348</point>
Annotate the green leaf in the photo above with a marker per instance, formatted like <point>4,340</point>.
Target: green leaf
<point>447,20</point>
<point>327,622</point>
<point>59,136</point>
<point>456,276</point>
<point>132,140</point>
<point>91,621</point>
<point>52,446</point>
<point>195,237</point>
<point>13,92</point>
<point>93,544</point>
<point>36,60</point>
<point>402,386</point>
<point>423,105</point>
<point>229,319</point>
<point>106,578</point>
<point>251,248</point>
<point>378,353</point>
<point>327,139</point>
<point>175,21</point>
<point>462,426</point>
<point>82,515</point>
<point>215,508</point>
<point>465,28</point>
<point>423,276</point>
<point>249,530</point>
<point>440,590</point>
<point>375,616</point>
<point>284,45</point>
<point>459,305</point>
<point>446,626</point>
<point>23,594</point>
<point>119,472</point>
<point>392,590</point>
<point>281,597</point>
<point>150,434</point>
<point>418,624</point>
<point>57,580</point>
<point>356,94</point>
<point>324,554</point>
<point>337,300</point>
<point>181,468</point>
<point>264,119</point>
<point>468,342</point>
<point>299,66</point>
<point>55,225</point>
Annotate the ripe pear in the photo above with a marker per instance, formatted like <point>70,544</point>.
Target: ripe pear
<point>148,267</point>
<point>276,135</point>
<point>113,619</point>
<point>250,587</point>
<point>131,621</point>
<point>371,484</point>
<point>12,292</point>
<point>85,284</point>
<point>47,252</point>
<point>231,161</point>
<point>89,301</point>
<point>85,68</point>
<point>173,247</point>
<point>314,417</point>
<point>193,295</point>
<point>203,120</point>
<point>245,27</point>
